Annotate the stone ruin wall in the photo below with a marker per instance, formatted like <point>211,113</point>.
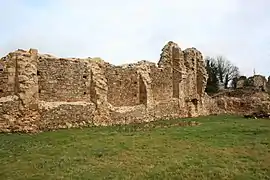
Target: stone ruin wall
<point>251,95</point>
<point>40,92</point>
<point>268,84</point>
<point>256,82</point>
<point>242,103</point>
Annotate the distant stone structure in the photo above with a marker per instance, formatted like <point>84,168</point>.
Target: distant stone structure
<point>250,96</point>
<point>240,82</point>
<point>256,82</point>
<point>40,92</point>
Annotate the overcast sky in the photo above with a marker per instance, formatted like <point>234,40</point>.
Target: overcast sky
<point>125,31</point>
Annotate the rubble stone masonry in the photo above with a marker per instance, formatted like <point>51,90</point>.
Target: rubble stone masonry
<point>40,92</point>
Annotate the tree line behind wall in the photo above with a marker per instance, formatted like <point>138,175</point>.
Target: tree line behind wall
<point>222,74</point>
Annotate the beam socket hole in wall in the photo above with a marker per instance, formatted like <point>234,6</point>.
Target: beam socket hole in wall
<point>38,73</point>
<point>195,101</point>
<point>39,91</point>
<point>192,69</point>
<point>84,93</point>
<point>1,91</point>
<point>84,76</point>
<point>193,61</point>
<point>135,82</point>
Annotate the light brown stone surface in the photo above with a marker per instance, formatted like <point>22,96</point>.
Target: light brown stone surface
<point>40,92</point>
<point>268,84</point>
<point>240,83</point>
<point>256,82</point>
<point>242,102</point>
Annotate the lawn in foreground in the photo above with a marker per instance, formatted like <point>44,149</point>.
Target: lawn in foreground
<point>222,147</point>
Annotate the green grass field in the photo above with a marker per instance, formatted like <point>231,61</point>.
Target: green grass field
<point>222,147</point>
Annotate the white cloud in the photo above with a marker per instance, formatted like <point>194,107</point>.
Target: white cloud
<point>126,31</point>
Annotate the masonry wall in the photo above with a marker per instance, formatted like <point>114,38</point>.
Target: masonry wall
<point>64,79</point>
<point>8,76</point>
<point>191,69</point>
<point>123,86</point>
<point>256,82</point>
<point>27,81</point>
<point>51,93</point>
<point>64,115</point>
<point>201,74</point>
<point>268,85</point>
<point>259,82</point>
<point>162,83</point>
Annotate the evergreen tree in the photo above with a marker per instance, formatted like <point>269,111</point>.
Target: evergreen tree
<point>212,82</point>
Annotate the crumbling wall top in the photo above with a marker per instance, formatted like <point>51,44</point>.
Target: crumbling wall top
<point>256,82</point>
<point>166,55</point>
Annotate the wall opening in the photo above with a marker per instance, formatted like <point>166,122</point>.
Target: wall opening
<point>1,68</point>
<point>142,92</point>
<point>195,103</point>
<point>242,104</point>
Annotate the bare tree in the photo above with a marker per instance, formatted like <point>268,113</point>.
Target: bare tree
<point>226,71</point>
<point>232,73</point>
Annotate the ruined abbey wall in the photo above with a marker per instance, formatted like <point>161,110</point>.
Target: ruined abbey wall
<point>256,82</point>
<point>41,92</point>
<point>63,79</point>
